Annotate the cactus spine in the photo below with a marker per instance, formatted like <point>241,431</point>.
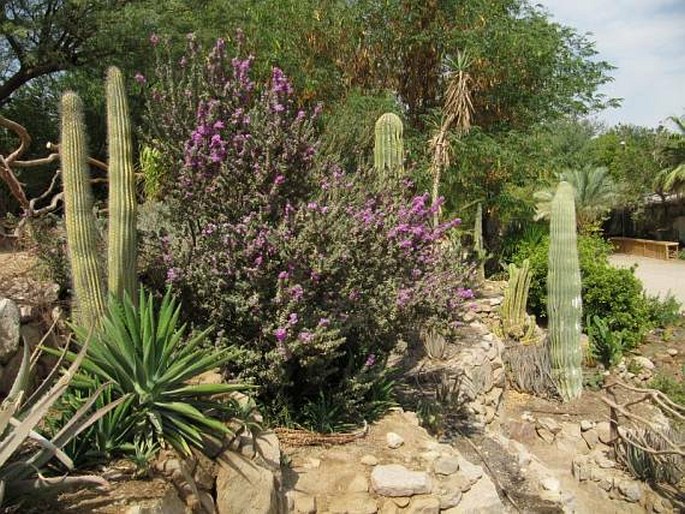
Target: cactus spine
<point>515,322</point>
<point>121,276</point>
<point>78,213</point>
<point>564,305</point>
<point>478,242</point>
<point>388,151</point>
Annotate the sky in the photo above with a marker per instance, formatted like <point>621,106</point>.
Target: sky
<point>645,40</point>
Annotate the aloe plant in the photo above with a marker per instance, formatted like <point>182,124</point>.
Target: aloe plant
<point>564,304</point>
<point>143,353</point>
<point>20,415</point>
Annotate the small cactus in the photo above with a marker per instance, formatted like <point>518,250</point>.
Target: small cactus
<point>515,322</point>
<point>564,304</point>
<point>78,213</point>
<point>388,151</point>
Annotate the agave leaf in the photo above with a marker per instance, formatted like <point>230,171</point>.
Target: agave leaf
<point>46,443</point>
<point>22,379</point>
<point>207,389</point>
<point>7,409</point>
<point>17,436</point>
<point>191,412</point>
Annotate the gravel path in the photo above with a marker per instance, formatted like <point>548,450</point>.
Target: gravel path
<point>658,276</point>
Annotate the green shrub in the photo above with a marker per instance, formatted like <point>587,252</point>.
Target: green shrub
<point>664,313</point>
<point>612,294</point>
<point>607,346</point>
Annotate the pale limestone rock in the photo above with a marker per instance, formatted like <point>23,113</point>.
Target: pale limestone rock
<point>550,484</point>
<point>10,326</point>
<point>396,480</point>
<point>447,465</point>
<point>394,440</point>
<point>481,499</point>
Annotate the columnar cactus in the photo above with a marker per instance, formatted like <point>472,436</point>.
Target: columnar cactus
<point>80,220</point>
<point>515,322</point>
<point>388,151</point>
<point>78,213</point>
<point>478,242</point>
<point>564,305</point>
<point>121,276</point>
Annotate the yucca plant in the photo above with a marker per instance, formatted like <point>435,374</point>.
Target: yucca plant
<point>143,352</point>
<point>24,451</point>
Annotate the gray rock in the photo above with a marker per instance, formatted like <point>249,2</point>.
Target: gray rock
<point>396,480</point>
<point>643,362</point>
<point>394,440</point>
<point>169,503</point>
<point>481,499</point>
<point>672,352</point>
<point>591,437</point>
<point>631,490</point>
<point>549,424</point>
<point>446,465</point>
<point>470,471</point>
<point>447,501</point>
<point>10,327</point>
<point>586,425</point>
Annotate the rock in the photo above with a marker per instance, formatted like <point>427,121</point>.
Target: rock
<point>496,301</point>
<point>312,463</point>
<point>550,484</point>
<point>355,503</point>
<point>401,501</point>
<point>244,486</point>
<point>446,465</point>
<point>396,480</point>
<point>581,468</point>
<point>586,425</point>
<point>269,450</point>
<point>630,490</point>
<point>447,501</point>
<point>469,316</point>
<point>481,499</point>
<point>10,326</point>
<point>591,437</point>
<point>27,313</point>
<point>424,505</point>
<point>604,432</point>
<point>643,362</point>
<point>470,471</point>
<point>394,440</point>
<point>549,424</point>
<point>604,463</point>
<point>369,460</point>
<point>672,352</point>
<point>605,484</point>
<point>412,418</point>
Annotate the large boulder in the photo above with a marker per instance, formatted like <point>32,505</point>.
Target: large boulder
<point>242,485</point>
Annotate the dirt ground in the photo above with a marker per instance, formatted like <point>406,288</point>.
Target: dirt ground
<point>659,277</point>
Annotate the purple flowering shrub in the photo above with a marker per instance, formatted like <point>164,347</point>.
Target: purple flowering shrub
<point>312,274</point>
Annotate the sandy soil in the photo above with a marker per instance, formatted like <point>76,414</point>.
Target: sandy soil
<point>658,276</point>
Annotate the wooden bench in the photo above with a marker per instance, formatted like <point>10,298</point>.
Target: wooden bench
<point>664,250</point>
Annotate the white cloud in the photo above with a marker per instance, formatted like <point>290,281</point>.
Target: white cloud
<point>645,39</point>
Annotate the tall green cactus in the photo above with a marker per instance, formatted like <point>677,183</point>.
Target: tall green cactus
<point>564,305</point>
<point>478,242</point>
<point>388,151</point>
<point>80,221</point>
<point>78,213</point>
<point>121,276</point>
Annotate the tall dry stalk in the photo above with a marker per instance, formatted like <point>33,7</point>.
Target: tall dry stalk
<point>456,114</point>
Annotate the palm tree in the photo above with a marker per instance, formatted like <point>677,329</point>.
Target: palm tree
<point>671,153</point>
<point>596,194</point>
<point>456,112</point>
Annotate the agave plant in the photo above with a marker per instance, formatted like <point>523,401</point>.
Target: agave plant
<point>144,354</point>
<point>24,451</point>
